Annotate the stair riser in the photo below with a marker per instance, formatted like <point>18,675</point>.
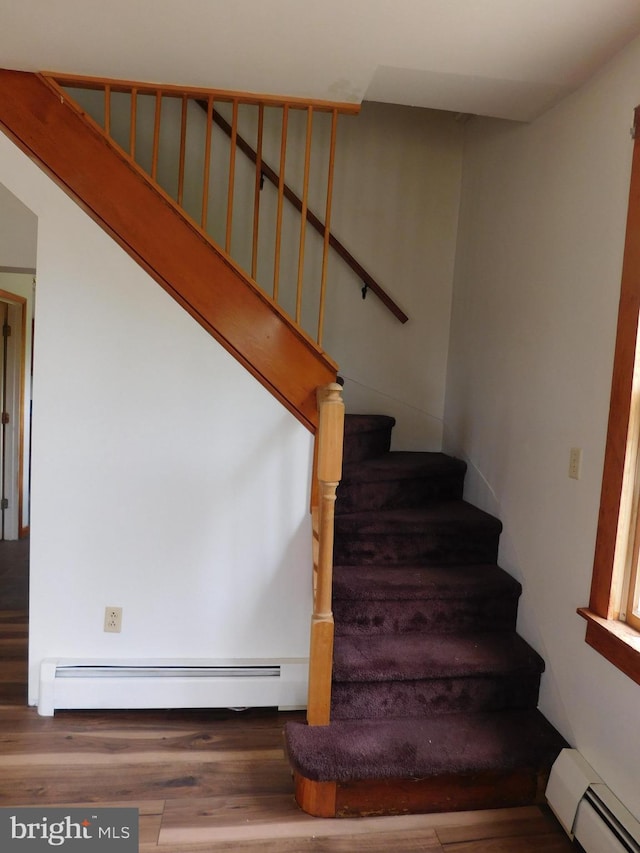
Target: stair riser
<point>369,797</point>
<point>427,548</point>
<point>393,699</point>
<point>442,794</point>
<point>400,617</point>
<point>357,497</point>
<point>360,446</point>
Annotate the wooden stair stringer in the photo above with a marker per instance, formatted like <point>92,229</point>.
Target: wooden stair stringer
<point>376,797</point>
<point>116,194</point>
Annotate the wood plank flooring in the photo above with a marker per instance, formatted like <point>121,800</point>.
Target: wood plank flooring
<point>211,780</point>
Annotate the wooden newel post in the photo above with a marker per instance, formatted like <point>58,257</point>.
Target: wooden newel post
<point>328,472</point>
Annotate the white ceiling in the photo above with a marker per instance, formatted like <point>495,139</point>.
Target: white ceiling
<point>506,58</point>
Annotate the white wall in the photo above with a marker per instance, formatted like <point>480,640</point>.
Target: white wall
<point>18,233</point>
<point>533,328</point>
<point>397,190</point>
<point>165,479</point>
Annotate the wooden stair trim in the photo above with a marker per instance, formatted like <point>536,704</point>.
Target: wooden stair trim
<point>315,798</point>
<point>198,275</point>
<point>80,81</point>
<point>372,797</point>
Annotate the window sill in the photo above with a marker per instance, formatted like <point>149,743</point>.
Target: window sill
<point>615,641</point>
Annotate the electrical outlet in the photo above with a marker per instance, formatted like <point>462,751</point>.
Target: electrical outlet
<point>575,462</point>
<point>113,619</point>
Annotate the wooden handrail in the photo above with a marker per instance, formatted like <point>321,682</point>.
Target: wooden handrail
<point>272,176</point>
<point>79,81</point>
<point>327,474</point>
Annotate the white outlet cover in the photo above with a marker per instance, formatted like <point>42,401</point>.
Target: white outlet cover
<point>113,620</point>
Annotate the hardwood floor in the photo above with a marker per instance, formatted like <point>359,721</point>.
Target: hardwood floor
<point>211,780</point>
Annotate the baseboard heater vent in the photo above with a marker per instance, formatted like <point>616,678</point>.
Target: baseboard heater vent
<point>588,810</point>
<point>110,684</point>
<point>168,672</point>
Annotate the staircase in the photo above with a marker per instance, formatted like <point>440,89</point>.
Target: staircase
<point>434,695</point>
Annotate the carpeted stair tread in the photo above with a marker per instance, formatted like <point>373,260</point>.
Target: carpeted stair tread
<point>349,750</point>
<point>409,657</point>
<point>396,583</point>
<point>445,515</point>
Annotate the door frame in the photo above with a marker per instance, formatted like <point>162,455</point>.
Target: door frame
<point>16,383</point>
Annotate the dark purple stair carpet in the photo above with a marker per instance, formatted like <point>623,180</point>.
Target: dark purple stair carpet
<point>437,696</point>
<point>399,479</point>
<point>405,599</point>
<point>440,532</point>
<point>430,678</point>
<point>349,750</point>
<point>366,436</point>
<point>411,656</point>
<point>411,675</point>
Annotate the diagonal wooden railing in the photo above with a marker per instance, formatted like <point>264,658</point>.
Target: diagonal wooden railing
<point>126,119</point>
<point>148,225</point>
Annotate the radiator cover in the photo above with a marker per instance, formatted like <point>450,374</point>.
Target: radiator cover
<point>110,684</point>
<point>588,810</point>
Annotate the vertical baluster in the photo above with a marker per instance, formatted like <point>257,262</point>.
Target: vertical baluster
<point>283,158</point>
<point>232,175</point>
<point>183,145</point>
<point>156,135</point>
<point>303,214</point>
<point>107,110</point>
<point>256,195</point>
<point>327,224</point>
<point>207,164</point>
<point>132,123</point>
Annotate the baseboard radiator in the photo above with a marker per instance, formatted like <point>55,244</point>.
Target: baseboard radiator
<point>587,808</point>
<point>75,684</point>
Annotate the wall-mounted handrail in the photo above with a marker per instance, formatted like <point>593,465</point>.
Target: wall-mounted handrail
<point>327,474</point>
<point>272,176</point>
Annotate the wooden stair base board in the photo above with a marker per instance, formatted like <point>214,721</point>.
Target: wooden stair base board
<point>376,797</point>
